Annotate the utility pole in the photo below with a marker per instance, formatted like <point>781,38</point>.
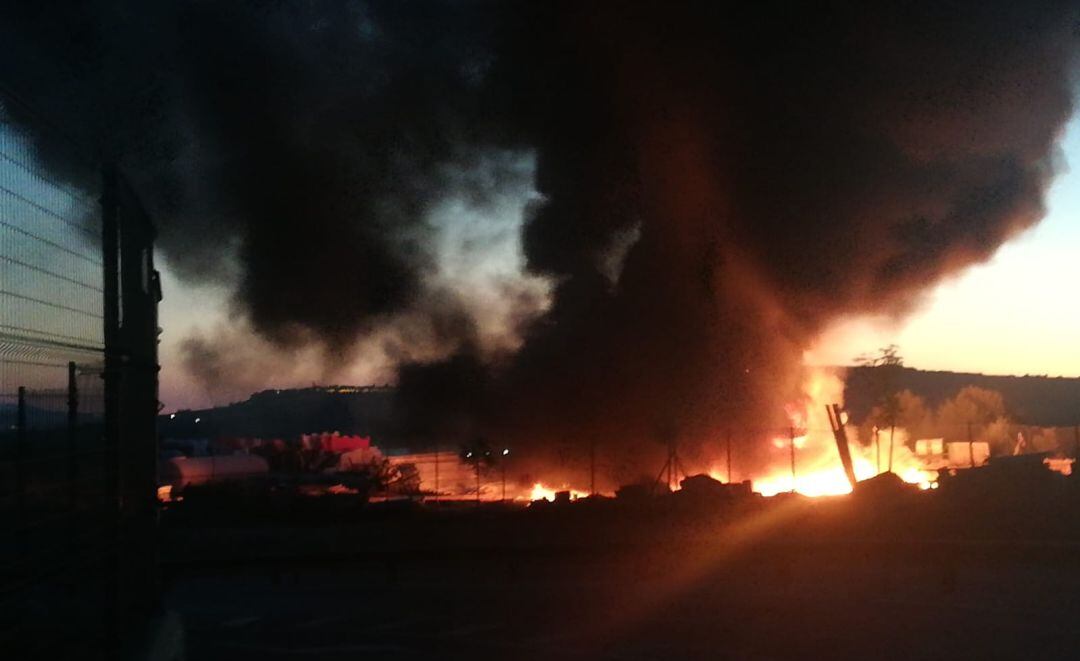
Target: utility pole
<point>20,456</point>
<point>592,465</point>
<point>670,467</point>
<point>502,464</point>
<point>1076,445</point>
<point>877,449</point>
<point>971,445</point>
<point>792,432</point>
<point>436,471</point>
<point>836,421</point>
<point>729,456</point>
<point>72,442</point>
<point>892,429</point>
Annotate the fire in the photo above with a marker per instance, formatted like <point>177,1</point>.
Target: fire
<point>541,492</point>
<point>818,471</point>
<point>165,494</point>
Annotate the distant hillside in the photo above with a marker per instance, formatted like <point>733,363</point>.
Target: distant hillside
<point>368,410</point>
<point>363,410</point>
<point>1031,400</point>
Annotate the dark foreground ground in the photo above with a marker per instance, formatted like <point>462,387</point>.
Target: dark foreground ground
<point>917,578</point>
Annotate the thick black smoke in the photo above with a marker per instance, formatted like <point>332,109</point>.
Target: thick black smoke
<point>310,139</point>
<point>717,182</point>
<point>779,166</point>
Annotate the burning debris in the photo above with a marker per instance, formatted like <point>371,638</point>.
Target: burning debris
<point>819,453</point>
<point>540,492</point>
<point>807,460</point>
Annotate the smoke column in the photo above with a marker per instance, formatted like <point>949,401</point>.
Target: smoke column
<point>756,173</point>
<point>715,183</point>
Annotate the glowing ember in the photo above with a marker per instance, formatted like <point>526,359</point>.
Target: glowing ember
<point>1060,465</point>
<point>165,494</point>
<point>818,471</point>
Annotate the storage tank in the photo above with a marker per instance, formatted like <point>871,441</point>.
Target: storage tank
<point>182,471</point>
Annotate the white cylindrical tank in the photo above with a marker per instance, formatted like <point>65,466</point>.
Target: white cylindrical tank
<point>182,471</point>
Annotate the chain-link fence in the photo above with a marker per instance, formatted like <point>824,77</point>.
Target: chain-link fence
<point>64,500</point>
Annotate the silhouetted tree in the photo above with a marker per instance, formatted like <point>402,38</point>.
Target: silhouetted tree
<point>886,365</point>
<point>911,414</point>
<point>984,411</point>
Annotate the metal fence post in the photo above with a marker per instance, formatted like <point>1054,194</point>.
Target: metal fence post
<point>69,484</point>
<point>72,446</point>
<point>110,253</point>
<point>20,458</point>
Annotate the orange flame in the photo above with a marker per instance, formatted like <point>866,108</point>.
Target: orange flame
<point>818,471</point>
<point>541,492</point>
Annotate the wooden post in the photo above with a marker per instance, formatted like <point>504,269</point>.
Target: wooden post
<point>729,478</point>
<point>592,465</point>
<point>843,448</point>
<point>892,430</point>
<point>1076,446</point>
<point>436,471</point>
<point>971,445</point>
<point>792,445</point>
<point>877,449</point>
<point>671,466</point>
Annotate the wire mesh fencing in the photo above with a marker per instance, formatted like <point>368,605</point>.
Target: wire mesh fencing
<point>64,589</point>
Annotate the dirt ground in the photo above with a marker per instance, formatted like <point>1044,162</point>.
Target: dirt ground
<point>774,582</point>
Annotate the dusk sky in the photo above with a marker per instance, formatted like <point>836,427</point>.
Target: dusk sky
<point>1016,314</point>
<point>1012,315</point>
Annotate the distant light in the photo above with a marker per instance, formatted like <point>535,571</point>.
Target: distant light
<point>197,420</point>
<point>506,451</point>
<point>172,416</point>
<point>468,454</point>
